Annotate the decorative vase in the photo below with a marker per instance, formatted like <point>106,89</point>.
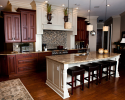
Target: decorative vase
<point>65,18</point>
<point>49,17</point>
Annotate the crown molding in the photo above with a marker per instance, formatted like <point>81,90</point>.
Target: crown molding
<point>16,4</point>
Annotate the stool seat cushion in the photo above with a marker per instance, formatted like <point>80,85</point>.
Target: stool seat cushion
<point>111,62</point>
<point>102,64</point>
<point>73,71</point>
<point>90,66</point>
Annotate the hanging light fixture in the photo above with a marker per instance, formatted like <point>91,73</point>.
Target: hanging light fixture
<point>105,28</point>
<point>68,25</point>
<point>89,27</point>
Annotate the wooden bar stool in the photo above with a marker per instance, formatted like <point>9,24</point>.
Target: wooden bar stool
<point>91,68</point>
<point>102,65</point>
<point>74,71</point>
<point>112,63</point>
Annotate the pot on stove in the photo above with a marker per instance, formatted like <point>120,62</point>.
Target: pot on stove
<point>59,47</point>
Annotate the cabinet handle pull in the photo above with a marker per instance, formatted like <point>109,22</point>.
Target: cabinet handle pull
<point>14,39</point>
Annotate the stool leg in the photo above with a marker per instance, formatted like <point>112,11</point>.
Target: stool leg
<point>107,74</point>
<point>72,85</point>
<point>75,81</point>
<point>92,75</point>
<point>88,79</point>
<point>97,77</point>
<point>109,71</point>
<point>115,72</point>
<point>83,82</point>
<point>100,75</point>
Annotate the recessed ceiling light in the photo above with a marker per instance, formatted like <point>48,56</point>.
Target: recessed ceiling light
<point>77,8</point>
<point>108,5</point>
<point>1,6</point>
<point>63,5</point>
<point>46,1</point>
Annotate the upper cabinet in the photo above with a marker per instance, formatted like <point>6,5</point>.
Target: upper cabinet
<point>81,30</point>
<point>28,25</point>
<point>12,27</point>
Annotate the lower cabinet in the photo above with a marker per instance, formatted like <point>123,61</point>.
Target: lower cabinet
<point>11,62</point>
<point>8,65</point>
<point>42,60</point>
<point>72,51</point>
<point>26,62</point>
<point>22,63</point>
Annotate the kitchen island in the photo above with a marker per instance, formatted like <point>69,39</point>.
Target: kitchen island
<point>57,68</point>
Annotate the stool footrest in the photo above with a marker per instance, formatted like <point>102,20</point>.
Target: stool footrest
<point>94,75</point>
<point>112,70</point>
<point>112,74</point>
<point>86,78</point>
<point>104,72</point>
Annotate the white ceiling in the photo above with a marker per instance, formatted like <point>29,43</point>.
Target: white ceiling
<point>116,8</point>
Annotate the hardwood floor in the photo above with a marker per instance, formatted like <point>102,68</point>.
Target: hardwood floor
<point>114,89</point>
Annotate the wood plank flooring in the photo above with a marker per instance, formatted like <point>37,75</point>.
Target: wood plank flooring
<point>114,89</point>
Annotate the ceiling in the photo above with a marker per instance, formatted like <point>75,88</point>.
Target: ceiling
<point>116,8</point>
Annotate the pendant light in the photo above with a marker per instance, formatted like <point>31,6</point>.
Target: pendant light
<point>68,25</point>
<point>105,28</point>
<point>89,27</point>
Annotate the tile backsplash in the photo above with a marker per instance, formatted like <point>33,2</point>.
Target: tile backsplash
<point>54,38</point>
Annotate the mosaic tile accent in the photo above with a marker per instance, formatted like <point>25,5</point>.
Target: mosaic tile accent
<point>14,90</point>
<point>15,48</point>
<point>54,39</point>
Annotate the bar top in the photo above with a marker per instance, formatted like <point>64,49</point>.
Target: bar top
<point>80,57</point>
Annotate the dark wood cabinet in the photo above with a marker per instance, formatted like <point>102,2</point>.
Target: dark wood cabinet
<point>11,61</point>
<point>26,62</point>
<point>72,51</point>
<point>12,27</point>
<point>28,25</point>
<point>42,60</point>
<point>82,34</point>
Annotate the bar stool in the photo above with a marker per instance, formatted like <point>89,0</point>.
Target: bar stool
<point>112,63</point>
<point>91,68</point>
<point>74,71</point>
<point>102,65</point>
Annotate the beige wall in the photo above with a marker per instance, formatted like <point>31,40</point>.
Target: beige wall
<point>116,35</point>
<point>116,29</point>
<point>92,39</point>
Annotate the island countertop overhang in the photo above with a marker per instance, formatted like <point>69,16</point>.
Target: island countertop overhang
<point>75,58</point>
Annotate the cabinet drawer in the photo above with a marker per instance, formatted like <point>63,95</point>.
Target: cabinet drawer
<point>25,56</point>
<point>32,61</point>
<point>25,69</point>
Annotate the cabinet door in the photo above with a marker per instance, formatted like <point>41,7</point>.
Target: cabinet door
<point>8,28</point>
<point>42,60</point>
<point>32,27</point>
<point>11,64</point>
<point>24,26</point>
<point>16,28</point>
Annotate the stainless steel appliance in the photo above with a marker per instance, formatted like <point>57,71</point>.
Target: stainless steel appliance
<point>59,52</point>
<point>24,49</point>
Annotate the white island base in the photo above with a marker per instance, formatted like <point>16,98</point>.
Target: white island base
<point>57,77</point>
